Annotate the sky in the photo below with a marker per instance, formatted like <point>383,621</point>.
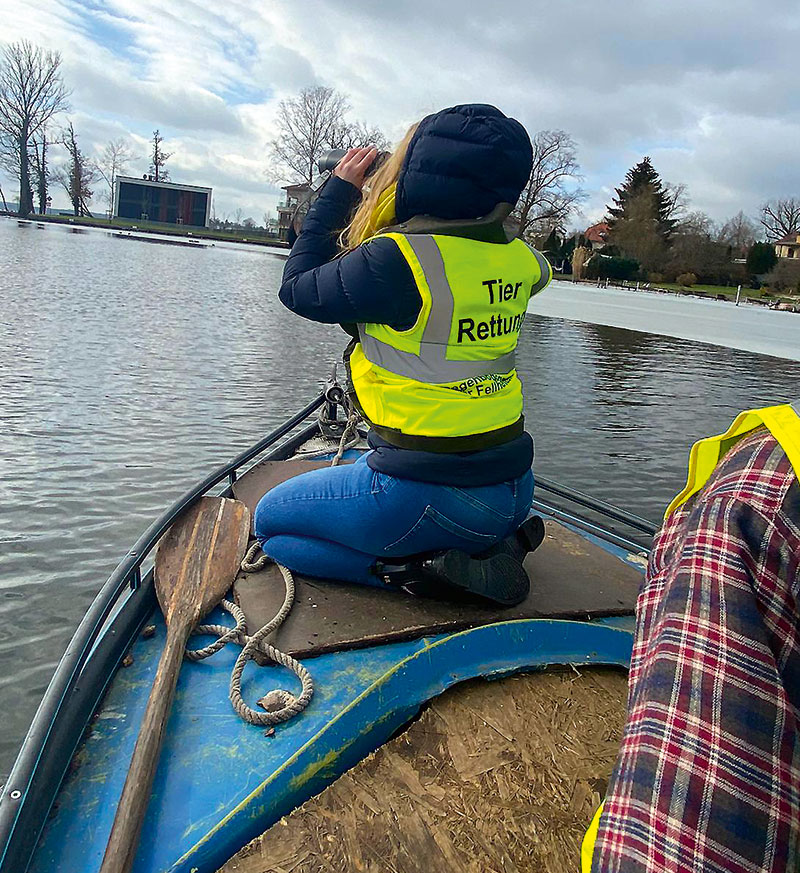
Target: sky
<point>707,89</point>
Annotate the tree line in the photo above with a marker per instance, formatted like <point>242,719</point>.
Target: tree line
<point>651,231</point>
<point>651,234</point>
<point>32,97</point>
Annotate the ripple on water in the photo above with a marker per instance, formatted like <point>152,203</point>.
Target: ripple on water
<point>124,380</point>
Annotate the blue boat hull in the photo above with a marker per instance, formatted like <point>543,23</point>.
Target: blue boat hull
<point>221,782</point>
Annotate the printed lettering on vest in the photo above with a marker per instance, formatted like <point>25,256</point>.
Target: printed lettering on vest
<point>496,326</point>
<point>504,292</point>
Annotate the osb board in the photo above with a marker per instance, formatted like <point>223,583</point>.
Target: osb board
<point>570,578</point>
<point>494,777</point>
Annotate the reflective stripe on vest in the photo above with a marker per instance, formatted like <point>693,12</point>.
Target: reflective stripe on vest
<point>448,382</point>
<point>431,365</point>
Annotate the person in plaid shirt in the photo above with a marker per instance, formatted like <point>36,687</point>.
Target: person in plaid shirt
<point>708,775</point>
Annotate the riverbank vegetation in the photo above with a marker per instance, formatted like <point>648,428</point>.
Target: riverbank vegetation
<point>649,235</point>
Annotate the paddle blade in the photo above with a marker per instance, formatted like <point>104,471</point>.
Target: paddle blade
<point>199,557</point>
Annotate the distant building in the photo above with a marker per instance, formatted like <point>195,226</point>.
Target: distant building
<point>788,247</point>
<point>596,235</point>
<point>146,200</point>
<point>294,194</point>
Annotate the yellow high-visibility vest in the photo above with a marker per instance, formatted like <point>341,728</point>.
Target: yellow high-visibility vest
<point>449,382</point>
<point>783,422</point>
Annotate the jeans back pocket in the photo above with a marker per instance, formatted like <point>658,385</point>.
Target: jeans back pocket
<point>435,531</point>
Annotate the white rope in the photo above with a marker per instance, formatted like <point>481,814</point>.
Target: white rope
<point>279,705</point>
<point>282,704</point>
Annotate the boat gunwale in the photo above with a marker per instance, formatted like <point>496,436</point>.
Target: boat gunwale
<point>23,813</point>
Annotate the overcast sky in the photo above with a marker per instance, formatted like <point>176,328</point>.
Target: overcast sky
<point>708,89</point>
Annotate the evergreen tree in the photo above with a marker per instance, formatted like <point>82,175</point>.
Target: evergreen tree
<point>642,183</point>
<point>761,258</point>
<point>551,245</point>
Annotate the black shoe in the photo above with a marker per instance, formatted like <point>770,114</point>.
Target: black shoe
<point>527,538</point>
<point>499,579</point>
<point>531,533</point>
<point>496,575</point>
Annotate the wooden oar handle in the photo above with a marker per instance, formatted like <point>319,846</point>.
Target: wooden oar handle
<point>124,839</point>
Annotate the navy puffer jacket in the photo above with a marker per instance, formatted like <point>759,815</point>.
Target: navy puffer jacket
<point>460,164</point>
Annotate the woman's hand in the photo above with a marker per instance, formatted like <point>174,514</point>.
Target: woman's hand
<point>354,165</point>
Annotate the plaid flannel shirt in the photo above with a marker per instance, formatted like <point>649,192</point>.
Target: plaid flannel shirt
<point>708,775</point>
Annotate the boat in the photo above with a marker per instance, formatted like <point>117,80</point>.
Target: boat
<point>376,659</point>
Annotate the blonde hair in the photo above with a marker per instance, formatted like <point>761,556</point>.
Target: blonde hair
<point>361,225</point>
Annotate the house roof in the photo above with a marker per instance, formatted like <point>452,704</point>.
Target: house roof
<point>791,239</point>
<point>296,188</point>
<point>597,232</point>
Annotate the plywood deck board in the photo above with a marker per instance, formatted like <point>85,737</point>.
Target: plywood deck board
<point>548,742</point>
<point>571,578</point>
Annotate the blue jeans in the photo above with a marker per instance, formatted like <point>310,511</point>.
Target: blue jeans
<point>336,522</point>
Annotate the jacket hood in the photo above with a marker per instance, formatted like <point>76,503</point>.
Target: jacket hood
<point>461,162</point>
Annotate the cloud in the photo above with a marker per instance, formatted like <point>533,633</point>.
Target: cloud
<point>705,89</point>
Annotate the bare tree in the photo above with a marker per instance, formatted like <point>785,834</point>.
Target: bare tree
<point>113,162</point>
<point>31,93</point>
<point>552,194</point>
<point>676,199</point>
<point>739,232</point>
<point>357,134</point>
<point>307,126</point>
<point>159,158</point>
<point>77,174</point>
<point>781,217</point>
<point>41,172</point>
<point>695,247</point>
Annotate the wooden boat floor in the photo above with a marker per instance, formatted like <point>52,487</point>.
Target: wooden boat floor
<point>571,578</point>
<point>494,777</point>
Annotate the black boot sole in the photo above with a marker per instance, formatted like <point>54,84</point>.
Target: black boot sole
<point>499,579</point>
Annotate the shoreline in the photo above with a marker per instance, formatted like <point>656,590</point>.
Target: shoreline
<point>783,303</point>
<point>150,227</point>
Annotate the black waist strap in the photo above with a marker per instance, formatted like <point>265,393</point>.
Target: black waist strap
<point>451,445</point>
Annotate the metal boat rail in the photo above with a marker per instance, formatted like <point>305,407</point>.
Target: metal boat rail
<point>96,648</point>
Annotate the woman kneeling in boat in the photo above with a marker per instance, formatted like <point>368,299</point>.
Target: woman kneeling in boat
<point>435,293</point>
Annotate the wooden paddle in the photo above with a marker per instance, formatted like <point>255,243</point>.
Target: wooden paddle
<point>196,563</point>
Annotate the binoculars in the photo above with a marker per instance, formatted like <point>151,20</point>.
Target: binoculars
<point>328,161</point>
<point>326,165</point>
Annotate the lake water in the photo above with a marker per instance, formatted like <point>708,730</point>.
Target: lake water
<point>127,369</point>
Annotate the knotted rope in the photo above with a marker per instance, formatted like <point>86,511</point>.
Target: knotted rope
<point>350,430</point>
<point>279,705</point>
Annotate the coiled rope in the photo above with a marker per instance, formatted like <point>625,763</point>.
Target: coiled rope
<point>279,705</point>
